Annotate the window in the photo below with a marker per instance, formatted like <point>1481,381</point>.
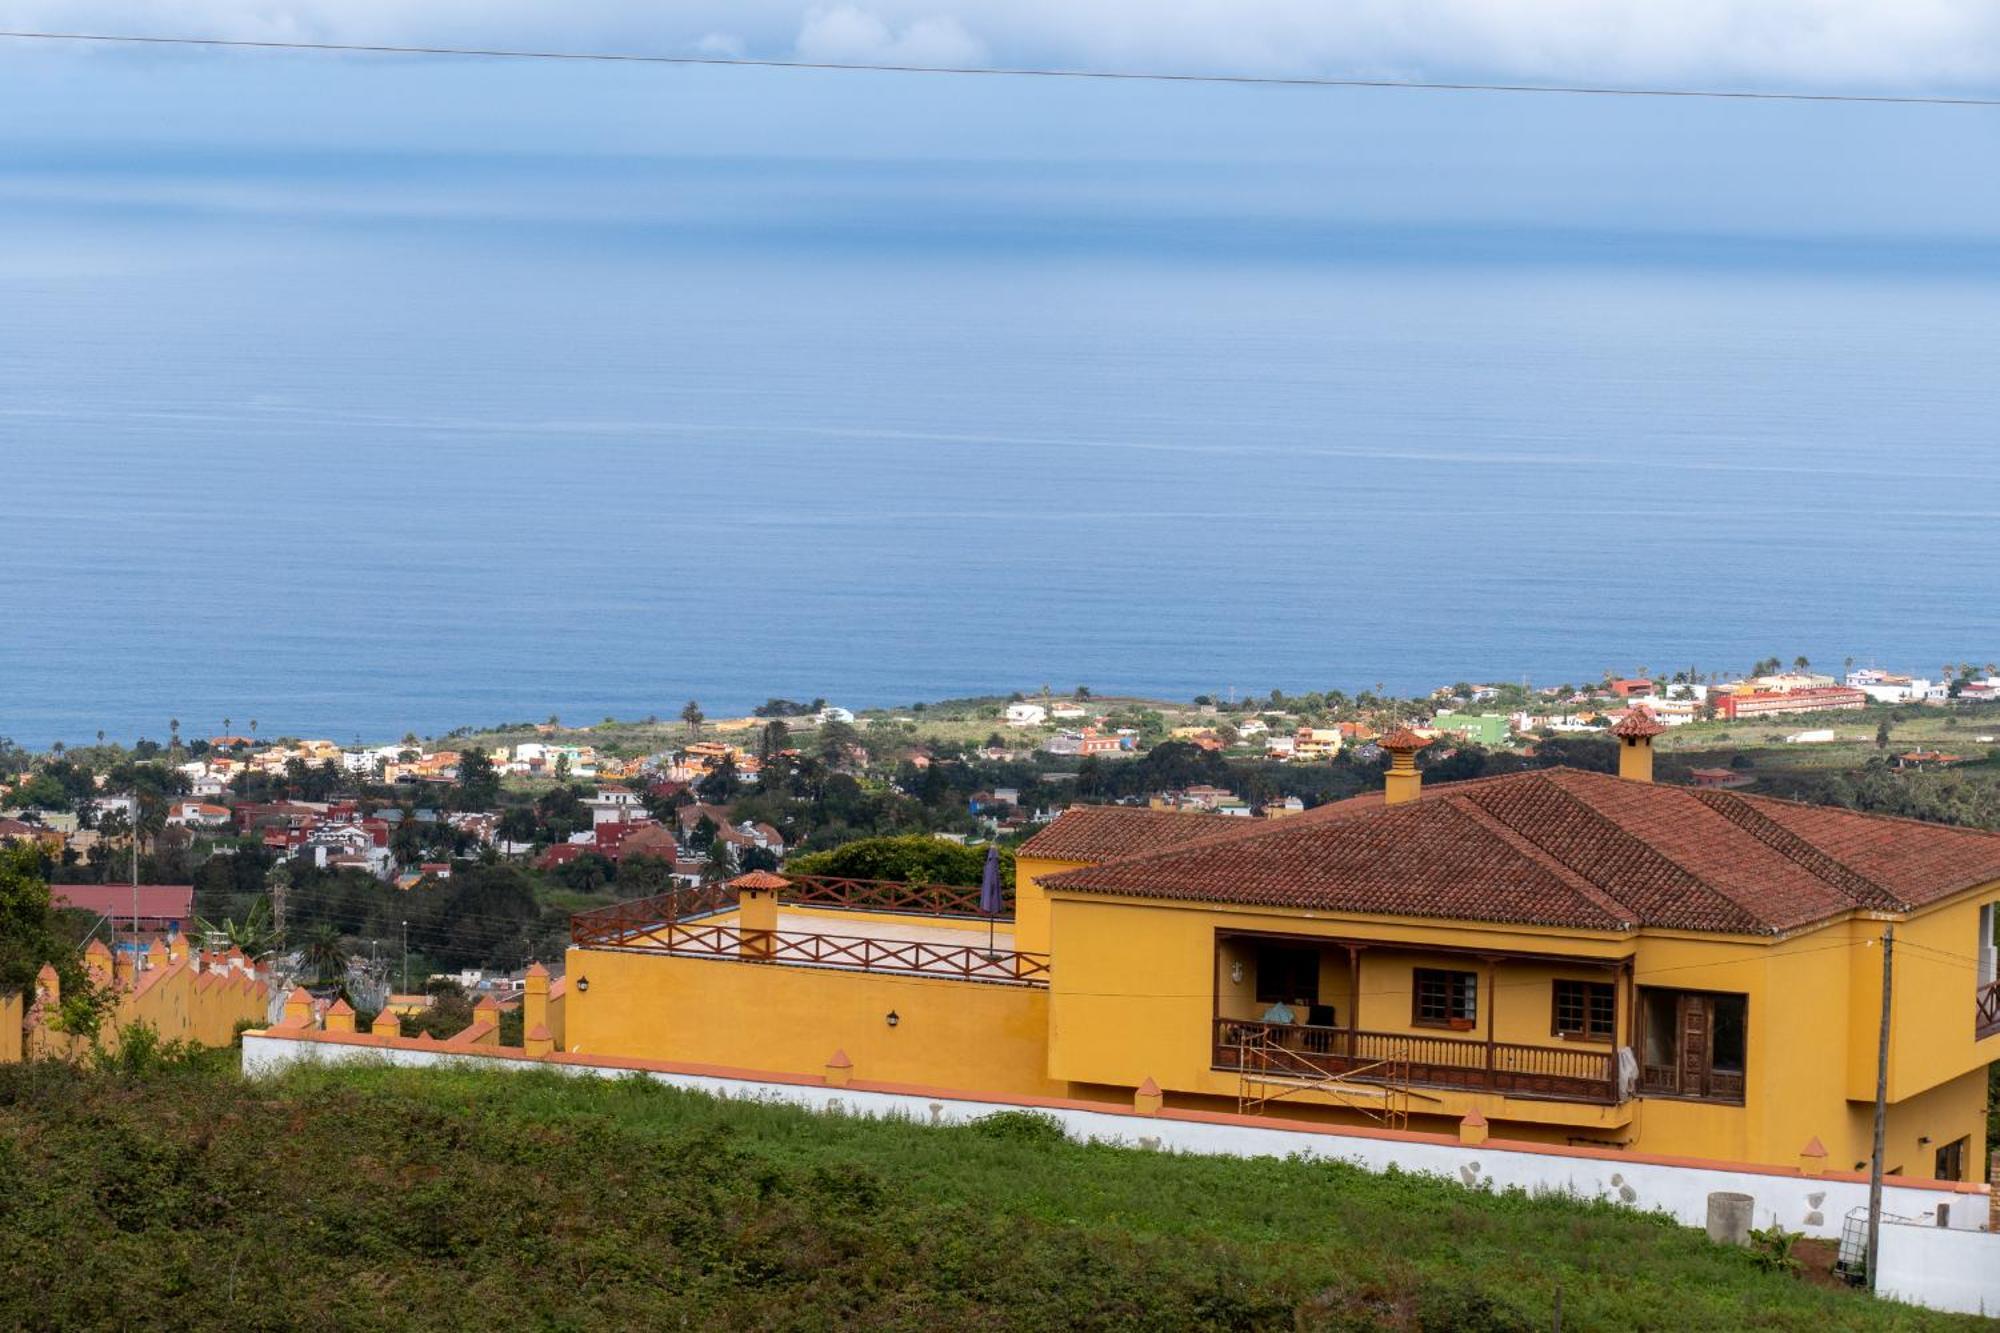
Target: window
<point>1445,999</point>
<point>1287,972</point>
<point>1951,1161</point>
<point>1587,1009</point>
<point>1693,1044</point>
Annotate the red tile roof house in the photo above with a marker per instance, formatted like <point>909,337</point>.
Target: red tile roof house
<point>1580,957</point>
<point>161,907</point>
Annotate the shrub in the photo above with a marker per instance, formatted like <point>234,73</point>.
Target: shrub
<point>1021,1127</point>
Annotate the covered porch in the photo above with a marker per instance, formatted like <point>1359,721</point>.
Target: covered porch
<point>1519,1024</point>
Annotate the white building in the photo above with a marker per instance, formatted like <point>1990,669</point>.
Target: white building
<point>1026,715</point>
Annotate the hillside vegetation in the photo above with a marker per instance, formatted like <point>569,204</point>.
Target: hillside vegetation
<point>375,1198</point>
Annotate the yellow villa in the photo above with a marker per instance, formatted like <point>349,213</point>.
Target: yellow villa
<point>1575,958</point>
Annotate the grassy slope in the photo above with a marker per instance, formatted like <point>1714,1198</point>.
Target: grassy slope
<point>378,1198</point>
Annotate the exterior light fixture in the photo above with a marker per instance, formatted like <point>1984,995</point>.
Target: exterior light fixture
<point>583,983</point>
<point>1236,971</point>
<point>894,1018</point>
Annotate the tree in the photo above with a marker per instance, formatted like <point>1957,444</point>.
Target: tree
<point>720,863</point>
<point>478,784</point>
<point>913,860</point>
<point>1801,663</point>
<point>1882,734</point>
<point>692,715</point>
<point>253,934</point>
<point>702,836</point>
<point>774,739</point>
<point>325,953</point>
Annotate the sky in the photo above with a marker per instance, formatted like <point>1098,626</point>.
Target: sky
<point>1927,46</point>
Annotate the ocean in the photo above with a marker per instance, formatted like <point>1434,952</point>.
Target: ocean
<point>362,437</point>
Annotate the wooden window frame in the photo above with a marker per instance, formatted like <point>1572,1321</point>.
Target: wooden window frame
<point>1955,1150</point>
<point>1694,1014</point>
<point>1593,993</point>
<point>1458,987</point>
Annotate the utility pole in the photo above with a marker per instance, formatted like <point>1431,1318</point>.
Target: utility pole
<point>135,884</point>
<point>406,958</point>
<point>1881,1105</point>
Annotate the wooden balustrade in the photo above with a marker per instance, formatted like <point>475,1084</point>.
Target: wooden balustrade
<point>1986,1014</point>
<point>1571,1073</point>
<point>858,953</point>
<point>625,922</point>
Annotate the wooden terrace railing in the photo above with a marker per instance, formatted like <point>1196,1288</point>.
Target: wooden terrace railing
<point>622,922</point>
<point>1986,1019</point>
<point>856,953</point>
<point>888,895</point>
<point>1570,1073</point>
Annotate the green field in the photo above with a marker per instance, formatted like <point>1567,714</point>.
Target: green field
<point>372,1198</point>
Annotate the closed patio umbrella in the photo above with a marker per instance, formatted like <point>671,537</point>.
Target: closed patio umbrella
<point>989,895</point>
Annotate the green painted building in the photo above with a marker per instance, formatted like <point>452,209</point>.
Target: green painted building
<point>1488,729</point>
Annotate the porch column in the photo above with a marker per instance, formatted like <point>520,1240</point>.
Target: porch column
<point>1492,1007</point>
<point>1353,1000</point>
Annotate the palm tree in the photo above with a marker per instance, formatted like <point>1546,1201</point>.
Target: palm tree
<point>692,715</point>
<point>253,934</point>
<point>225,726</point>
<point>325,954</point>
<point>174,735</point>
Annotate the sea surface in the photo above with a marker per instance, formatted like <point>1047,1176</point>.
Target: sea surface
<point>363,436</point>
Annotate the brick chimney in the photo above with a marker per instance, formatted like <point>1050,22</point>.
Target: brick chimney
<point>1403,782</point>
<point>1635,732</point>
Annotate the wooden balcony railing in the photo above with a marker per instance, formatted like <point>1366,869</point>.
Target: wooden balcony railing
<point>855,953</point>
<point>1986,1017</point>
<point>887,895</point>
<point>1568,1073</point>
<point>622,922</point>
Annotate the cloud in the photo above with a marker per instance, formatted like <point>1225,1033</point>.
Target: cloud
<point>1938,46</point>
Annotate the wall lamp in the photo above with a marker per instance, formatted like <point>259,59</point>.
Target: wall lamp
<point>1236,971</point>
<point>893,1018</point>
<point>583,983</point>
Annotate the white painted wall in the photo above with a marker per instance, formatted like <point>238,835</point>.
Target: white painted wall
<point>1945,1270</point>
<point>1798,1203</point>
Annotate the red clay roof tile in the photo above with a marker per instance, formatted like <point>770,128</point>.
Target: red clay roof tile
<point>1554,847</point>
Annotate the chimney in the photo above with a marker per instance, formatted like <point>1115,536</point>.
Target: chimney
<point>757,911</point>
<point>1635,732</point>
<point>535,999</point>
<point>1403,782</point>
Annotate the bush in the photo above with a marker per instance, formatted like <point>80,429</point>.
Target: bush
<point>1021,1127</point>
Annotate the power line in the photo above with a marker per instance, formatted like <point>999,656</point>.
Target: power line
<point>1009,71</point>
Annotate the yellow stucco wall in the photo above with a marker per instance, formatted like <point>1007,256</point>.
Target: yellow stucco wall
<point>949,1033</point>
<point>178,1002</point>
<point>11,1010</point>
<point>1135,986</point>
<point>1031,902</point>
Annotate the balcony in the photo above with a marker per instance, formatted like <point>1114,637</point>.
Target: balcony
<point>1560,1073</point>
<point>927,930</point>
<point>1986,1016</point>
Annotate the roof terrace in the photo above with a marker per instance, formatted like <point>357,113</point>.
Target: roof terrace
<point>933,930</point>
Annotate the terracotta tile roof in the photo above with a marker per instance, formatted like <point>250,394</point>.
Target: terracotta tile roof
<point>1639,722</point>
<point>1403,740</point>
<point>1096,833</point>
<point>1562,847</point>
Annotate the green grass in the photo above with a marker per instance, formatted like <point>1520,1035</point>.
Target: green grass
<point>376,1198</point>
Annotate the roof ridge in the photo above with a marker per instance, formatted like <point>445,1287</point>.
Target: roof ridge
<point>1879,816</point>
<point>1778,838</point>
<point>1627,916</point>
<point>1635,846</point>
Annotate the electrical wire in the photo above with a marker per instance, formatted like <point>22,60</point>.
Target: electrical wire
<point>1009,71</point>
